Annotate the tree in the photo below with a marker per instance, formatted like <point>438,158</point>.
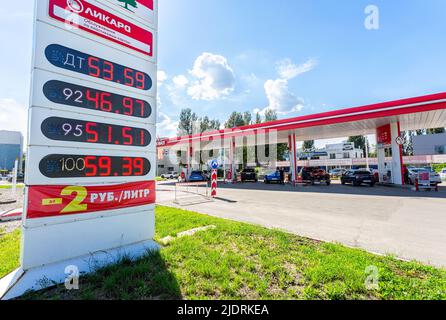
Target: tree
<point>435,131</point>
<point>308,145</point>
<point>258,118</point>
<point>235,120</point>
<point>247,117</point>
<point>408,143</point>
<point>128,3</point>
<point>187,121</point>
<point>359,142</point>
<point>270,115</point>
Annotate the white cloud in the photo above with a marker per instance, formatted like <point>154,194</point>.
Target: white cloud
<point>288,70</point>
<point>180,81</point>
<point>13,116</point>
<point>280,98</point>
<point>165,126</point>
<point>215,79</point>
<point>161,77</point>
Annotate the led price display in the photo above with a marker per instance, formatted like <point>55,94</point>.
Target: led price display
<point>88,98</point>
<point>73,60</point>
<point>72,130</point>
<point>87,166</point>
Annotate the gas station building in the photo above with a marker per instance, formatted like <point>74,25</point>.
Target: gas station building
<point>387,120</point>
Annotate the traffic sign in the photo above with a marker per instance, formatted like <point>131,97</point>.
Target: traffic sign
<point>214,164</point>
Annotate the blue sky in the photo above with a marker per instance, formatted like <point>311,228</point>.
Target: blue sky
<point>299,57</point>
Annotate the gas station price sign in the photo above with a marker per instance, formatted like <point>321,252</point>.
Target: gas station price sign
<point>76,61</point>
<point>72,130</point>
<point>88,98</point>
<point>87,166</point>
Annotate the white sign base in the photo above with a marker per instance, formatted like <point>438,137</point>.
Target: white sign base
<point>19,281</point>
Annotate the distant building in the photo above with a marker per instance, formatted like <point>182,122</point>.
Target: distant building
<point>431,144</point>
<point>336,151</point>
<point>11,148</point>
<point>346,150</point>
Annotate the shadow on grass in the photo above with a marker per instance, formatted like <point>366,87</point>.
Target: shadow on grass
<point>148,278</point>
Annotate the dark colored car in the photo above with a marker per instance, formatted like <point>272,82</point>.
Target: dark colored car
<point>314,175</point>
<point>197,176</point>
<point>249,174</point>
<point>358,177</point>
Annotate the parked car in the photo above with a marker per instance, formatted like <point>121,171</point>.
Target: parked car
<point>337,173</point>
<point>170,175</point>
<point>443,174</point>
<point>197,176</point>
<point>272,177</point>
<point>358,177</point>
<point>249,174</point>
<point>20,178</point>
<point>435,178</point>
<point>207,174</point>
<point>314,175</point>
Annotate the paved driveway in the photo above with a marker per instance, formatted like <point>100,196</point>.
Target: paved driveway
<point>382,219</point>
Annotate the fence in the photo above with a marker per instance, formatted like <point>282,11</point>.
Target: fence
<point>190,193</point>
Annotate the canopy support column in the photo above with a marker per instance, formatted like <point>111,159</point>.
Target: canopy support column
<point>292,147</point>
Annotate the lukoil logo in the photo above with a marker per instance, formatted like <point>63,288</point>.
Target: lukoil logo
<point>75,5</point>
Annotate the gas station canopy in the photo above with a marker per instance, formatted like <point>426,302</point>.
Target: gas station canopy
<point>412,113</point>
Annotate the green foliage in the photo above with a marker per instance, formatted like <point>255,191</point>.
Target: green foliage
<point>9,252</point>
<point>308,145</point>
<point>242,261</point>
<point>439,167</point>
<point>270,115</point>
<point>359,142</point>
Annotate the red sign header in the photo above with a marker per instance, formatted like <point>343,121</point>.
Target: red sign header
<point>92,19</point>
<point>384,135</point>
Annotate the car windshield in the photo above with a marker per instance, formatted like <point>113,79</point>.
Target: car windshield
<point>249,170</point>
<point>363,172</point>
<point>197,172</point>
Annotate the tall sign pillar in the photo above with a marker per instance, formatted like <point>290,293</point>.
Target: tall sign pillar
<point>91,162</point>
<point>389,143</point>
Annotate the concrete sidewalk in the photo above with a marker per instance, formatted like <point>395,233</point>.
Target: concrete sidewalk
<point>384,220</point>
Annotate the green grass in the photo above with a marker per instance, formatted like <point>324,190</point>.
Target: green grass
<point>9,252</point>
<point>243,261</point>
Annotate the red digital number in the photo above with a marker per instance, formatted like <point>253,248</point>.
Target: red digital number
<point>128,75</point>
<point>142,136</point>
<point>93,136</point>
<point>104,166</point>
<point>93,97</point>
<point>142,106</point>
<point>127,167</point>
<point>128,105</point>
<point>90,165</point>
<point>93,64</point>
<point>138,165</point>
<point>108,71</point>
<point>106,104</point>
<point>126,134</point>
<point>140,80</point>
